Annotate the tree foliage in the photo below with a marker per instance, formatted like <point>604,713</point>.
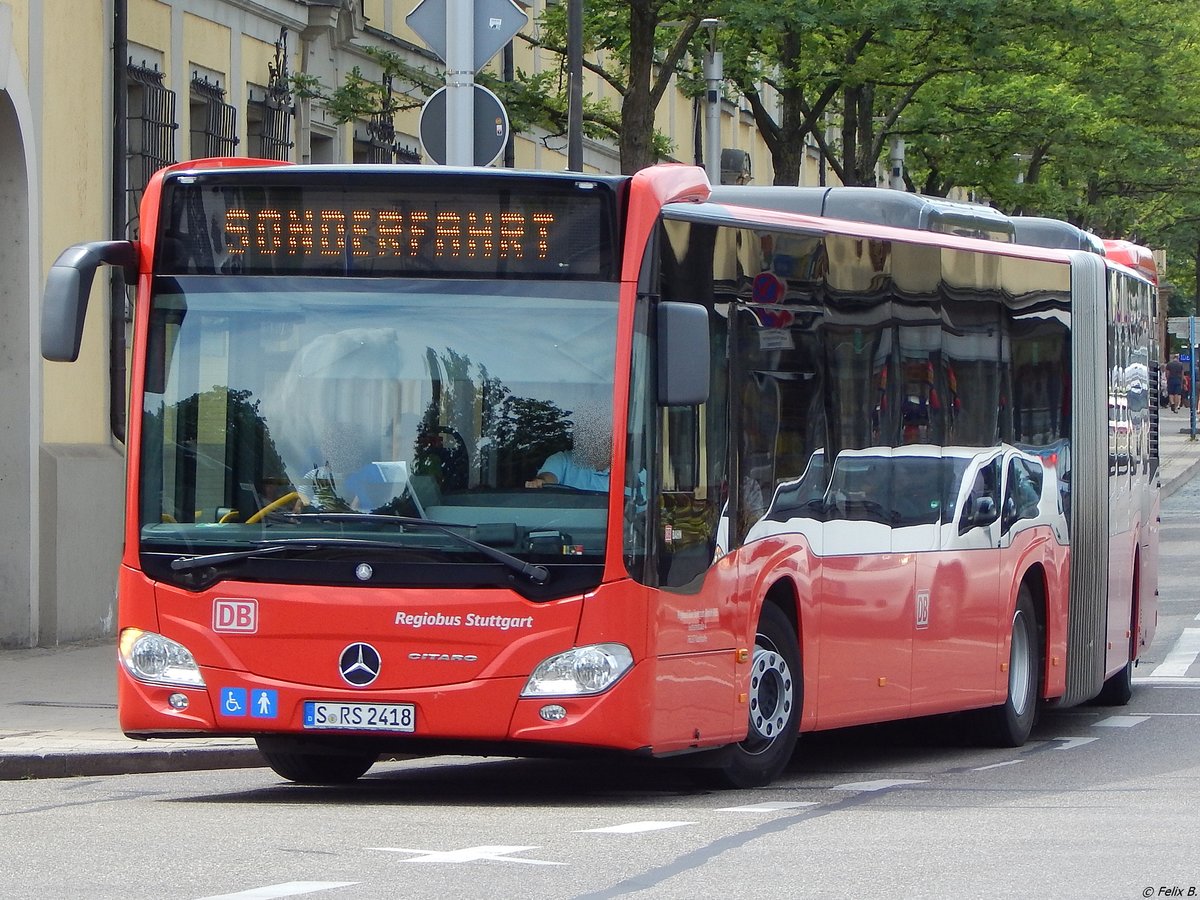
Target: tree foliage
<point>1085,110</point>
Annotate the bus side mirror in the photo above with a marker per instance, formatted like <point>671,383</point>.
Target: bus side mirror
<point>683,354</point>
<point>68,286</point>
<point>983,513</point>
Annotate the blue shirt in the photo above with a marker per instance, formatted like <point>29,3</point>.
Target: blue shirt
<point>570,474</point>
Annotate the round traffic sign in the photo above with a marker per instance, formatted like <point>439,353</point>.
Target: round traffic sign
<point>490,133</point>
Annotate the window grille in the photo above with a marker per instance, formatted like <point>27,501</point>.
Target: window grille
<point>150,124</point>
<point>269,119</point>
<point>380,144</point>
<point>214,122</point>
<point>269,129</point>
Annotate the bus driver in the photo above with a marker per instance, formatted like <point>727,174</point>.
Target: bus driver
<point>585,467</point>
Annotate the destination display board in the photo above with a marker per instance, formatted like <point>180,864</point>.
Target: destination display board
<point>419,223</point>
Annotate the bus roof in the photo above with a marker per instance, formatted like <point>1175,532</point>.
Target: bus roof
<point>1135,256</point>
<point>1056,234</point>
<point>877,206</point>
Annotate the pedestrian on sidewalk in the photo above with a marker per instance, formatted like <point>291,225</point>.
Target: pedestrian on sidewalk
<point>1175,382</point>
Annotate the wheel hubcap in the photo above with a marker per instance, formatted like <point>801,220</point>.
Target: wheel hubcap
<point>772,693</point>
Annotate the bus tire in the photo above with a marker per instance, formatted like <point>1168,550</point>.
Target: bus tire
<point>316,768</point>
<point>1118,690</point>
<point>775,698</point>
<point>1010,723</point>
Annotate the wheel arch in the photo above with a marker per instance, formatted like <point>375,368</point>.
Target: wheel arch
<point>784,593</point>
<point>1035,579</point>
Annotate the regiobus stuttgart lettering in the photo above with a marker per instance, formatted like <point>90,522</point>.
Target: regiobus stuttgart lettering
<point>482,234</point>
<point>471,620</point>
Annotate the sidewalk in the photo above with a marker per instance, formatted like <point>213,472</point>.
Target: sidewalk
<point>58,712</point>
<point>1180,455</point>
<point>58,717</point>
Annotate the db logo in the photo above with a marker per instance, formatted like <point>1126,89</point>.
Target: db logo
<point>235,615</point>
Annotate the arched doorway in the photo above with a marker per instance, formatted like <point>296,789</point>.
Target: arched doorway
<point>20,415</point>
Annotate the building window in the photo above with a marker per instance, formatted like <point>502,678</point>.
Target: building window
<point>213,121</point>
<point>150,123</point>
<point>269,116</point>
<point>268,129</point>
<point>373,147</point>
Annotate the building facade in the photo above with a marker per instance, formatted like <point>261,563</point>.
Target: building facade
<point>96,95</point>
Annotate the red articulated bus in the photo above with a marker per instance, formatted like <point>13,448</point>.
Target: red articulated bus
<point>1135,256</point>
<point>476,461</point>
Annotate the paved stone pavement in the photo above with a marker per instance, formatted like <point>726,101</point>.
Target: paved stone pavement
<point>58,706</point>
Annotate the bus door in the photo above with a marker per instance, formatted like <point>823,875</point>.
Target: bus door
<point>698,610</point>
<point>956,620</point>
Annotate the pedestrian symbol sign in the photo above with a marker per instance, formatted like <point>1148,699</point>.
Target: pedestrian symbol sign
<point>264,704</point>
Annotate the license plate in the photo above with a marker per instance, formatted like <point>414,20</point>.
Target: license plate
<point>349,716</point>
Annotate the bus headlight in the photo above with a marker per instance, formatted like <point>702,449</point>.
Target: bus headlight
<point>583,670</point>
<point>155,659</point>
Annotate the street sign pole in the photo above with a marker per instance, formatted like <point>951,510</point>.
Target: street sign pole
<point>460,82</point>
<point>465,34</point>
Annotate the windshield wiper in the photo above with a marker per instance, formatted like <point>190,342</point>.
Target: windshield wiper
<point>535,573</point>
<point>184,563</point>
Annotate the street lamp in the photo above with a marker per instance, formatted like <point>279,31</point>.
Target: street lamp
<point>714,74</point>
<point>896,164</point>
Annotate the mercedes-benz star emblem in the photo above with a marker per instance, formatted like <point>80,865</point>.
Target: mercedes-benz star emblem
<point>363,572</point>
<point>359,664</point>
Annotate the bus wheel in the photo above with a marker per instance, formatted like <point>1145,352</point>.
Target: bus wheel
<point>315,768</point>
<point>776,692</point>
<point>1009,724</point>
<point>1118,690</point>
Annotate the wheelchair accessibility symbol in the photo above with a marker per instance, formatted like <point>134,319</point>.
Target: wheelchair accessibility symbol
<point>233,702</point>
<point>259,703</point>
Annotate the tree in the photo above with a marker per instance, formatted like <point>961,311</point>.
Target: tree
<point>861,63</point>
<point>1094,124</point>
<point>637,47</point>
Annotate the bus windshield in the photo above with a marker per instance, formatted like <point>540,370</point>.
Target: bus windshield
<point>281,406</point>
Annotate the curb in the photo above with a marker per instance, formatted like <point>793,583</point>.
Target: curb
<point>66,764</point>
<point>1179,480</point>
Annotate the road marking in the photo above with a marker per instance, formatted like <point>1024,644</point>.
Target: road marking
<point>1070,743</point>
<point>287,889</point>
<point>1000,765</point>
<point>1120,721</point>
<point>881,784</point>
<point>469,854</point>
<point>771,806</point>
<point>634,828</point>
<point>1181,657</point>
<point>1184,715</point>
<point>1166,682</point>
